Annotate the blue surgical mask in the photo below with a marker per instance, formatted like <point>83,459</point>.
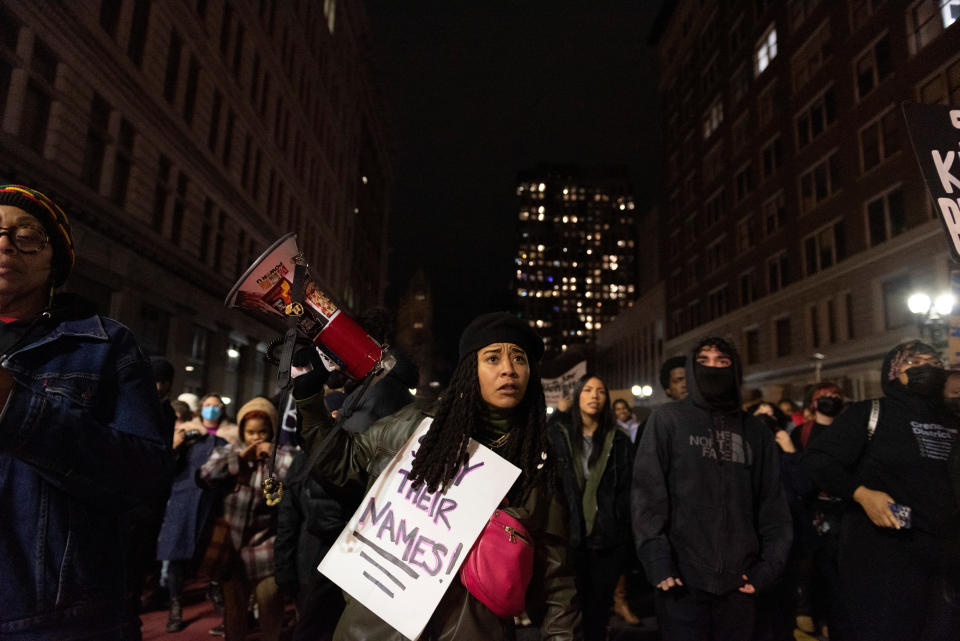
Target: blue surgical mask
<point>210,413</point>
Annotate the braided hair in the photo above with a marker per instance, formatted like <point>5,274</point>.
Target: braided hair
<point>443,449</point>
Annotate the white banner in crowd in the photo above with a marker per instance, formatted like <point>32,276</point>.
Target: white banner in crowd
<point>403,547</point>
<point>556,388</point>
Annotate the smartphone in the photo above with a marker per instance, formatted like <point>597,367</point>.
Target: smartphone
<point>902,514</point>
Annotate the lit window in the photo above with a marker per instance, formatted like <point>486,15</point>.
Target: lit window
<point>927,19</point>
<point>765,51</point>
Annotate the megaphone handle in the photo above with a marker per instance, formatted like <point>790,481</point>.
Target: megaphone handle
<point>290,339</point>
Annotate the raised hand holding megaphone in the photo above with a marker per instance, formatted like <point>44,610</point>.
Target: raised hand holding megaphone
<point>268,286</point>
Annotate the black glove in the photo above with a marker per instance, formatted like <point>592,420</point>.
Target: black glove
<point>306,385</point>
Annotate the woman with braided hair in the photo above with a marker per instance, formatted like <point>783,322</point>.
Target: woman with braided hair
<point>496,398</point>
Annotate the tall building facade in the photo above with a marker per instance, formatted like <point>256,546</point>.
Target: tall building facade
<point>576,251</point>
<point>794,219</point>
<point>183,137</point>
<point>415,330</point>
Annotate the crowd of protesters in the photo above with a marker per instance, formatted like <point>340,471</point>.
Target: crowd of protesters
<point>741,517</point>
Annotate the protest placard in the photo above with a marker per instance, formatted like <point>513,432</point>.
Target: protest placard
<point>556,388</point>
<point>935,134</point>
<point>404,546</point>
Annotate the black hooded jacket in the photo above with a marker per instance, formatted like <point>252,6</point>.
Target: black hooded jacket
<point>707,500</point>
<point>907,457</point>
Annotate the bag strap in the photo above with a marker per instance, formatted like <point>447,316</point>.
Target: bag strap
<point>874,417</point>
<point>273,486</point>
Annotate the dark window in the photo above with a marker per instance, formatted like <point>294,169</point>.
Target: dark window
<point>814,120</point>
<point>215,120</point>
<point>44,62</point>
<point>218,243</point>
<point>36,114</point>
<point>241,256</point>
<point>110,15</point>
<point>179,208</point>
<point>228,139</point>
<point>814,327</point>
<point>9,30</point>
<point>255,178</point>
<point>831,322</point>
<point>245,168</point>
<point>206,228</point>
<point>238,50</point>
<point>848,304</point>
<point>122,163</point>
<point>751,339</point>
<point>173,67</point>
<point>190,95</point>
<point>138,31</point>
<point>784,346</point>
<point>895,293</point>
<point>153,333</point>
<point>160,194</point>
<point>255,78</point>
<point>5,72</point>
<point>96,145</point>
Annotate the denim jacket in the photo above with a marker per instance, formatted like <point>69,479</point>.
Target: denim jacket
<point>81,441</point>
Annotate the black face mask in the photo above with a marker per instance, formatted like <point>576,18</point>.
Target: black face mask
<point>718,385</point>
<point>829,405</point>
<point>926,381</point>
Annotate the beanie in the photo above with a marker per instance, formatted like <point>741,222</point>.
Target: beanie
<point>162,369</point>
<point>501,327</point>
<point>258,406</point>
<point>54,222</point>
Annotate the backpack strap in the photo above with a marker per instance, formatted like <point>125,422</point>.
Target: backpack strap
<point>874,417</point>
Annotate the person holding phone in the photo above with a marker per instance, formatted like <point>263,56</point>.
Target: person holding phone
<point>889,459</point>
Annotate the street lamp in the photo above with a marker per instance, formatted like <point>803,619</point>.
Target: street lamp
<point>932,316</point>
<point>642,391</point>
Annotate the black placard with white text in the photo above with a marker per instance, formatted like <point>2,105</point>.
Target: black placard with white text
<point>935,134</point>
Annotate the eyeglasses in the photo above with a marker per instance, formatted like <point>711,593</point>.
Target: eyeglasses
<point>923,360</point>
<point>27,239</point>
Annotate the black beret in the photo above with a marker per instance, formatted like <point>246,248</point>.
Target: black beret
<point>501,327</point>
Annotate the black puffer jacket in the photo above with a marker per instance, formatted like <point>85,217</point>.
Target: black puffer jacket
<point>601,519</point>
<point>708,501</point>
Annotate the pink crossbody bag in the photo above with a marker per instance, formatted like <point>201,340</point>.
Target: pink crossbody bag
<point>499,566</point>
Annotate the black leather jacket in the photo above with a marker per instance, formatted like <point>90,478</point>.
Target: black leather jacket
<point>352,458</point>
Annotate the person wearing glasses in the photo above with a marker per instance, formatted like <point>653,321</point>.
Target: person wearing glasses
<point>82,440</point>
<point>889,460</point>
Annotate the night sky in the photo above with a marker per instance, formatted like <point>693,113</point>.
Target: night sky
<point>477,92</point>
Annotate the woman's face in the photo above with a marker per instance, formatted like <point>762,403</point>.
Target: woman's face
<point>256,430</point>
<point>916,360</point>
<point>504,373</point>
<point>211,409</point>
<point>593,397</point>
<point>22,274</point>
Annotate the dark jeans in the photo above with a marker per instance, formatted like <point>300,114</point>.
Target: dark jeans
<point>597,575</point>
<point>177,574</point>
<point>689,614</point>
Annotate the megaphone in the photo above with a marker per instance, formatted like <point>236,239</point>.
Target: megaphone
<point>267,287</point>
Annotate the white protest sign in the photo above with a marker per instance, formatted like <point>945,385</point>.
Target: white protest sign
<point>403,547</point>
<point>556,388</point>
